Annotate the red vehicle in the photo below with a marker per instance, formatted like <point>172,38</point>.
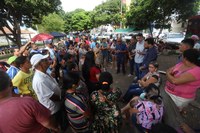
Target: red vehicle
<point>193,27</point>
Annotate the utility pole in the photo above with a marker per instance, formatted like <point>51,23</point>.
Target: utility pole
<point>121,14</point>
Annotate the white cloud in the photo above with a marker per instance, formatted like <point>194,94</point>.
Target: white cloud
<point>88,5</point>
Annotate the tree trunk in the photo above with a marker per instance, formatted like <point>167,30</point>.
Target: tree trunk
<point>160,31</point>
<point>161,28</point>
<point>13,25</point>
<point>17,32</point>
<point>150,29</point>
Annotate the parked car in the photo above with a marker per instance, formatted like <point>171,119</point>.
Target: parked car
<point>24,40</point>
<point>173,39</point>
<point>127,36</point>
<point>101,36</point>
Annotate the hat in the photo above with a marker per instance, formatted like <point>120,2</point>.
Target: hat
<point>11,59</point>
<point>36,58</point>
<point>48,41</point>
<point>195,37</point>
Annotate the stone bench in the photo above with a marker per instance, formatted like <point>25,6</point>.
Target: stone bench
<point>172,115</point>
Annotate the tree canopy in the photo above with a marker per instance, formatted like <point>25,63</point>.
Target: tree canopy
<point>78,20</point>
<point>52,22</point>
<point>108,12</point>
<point>142,14</point>
<point>14,14</point>
<point>160,12</point>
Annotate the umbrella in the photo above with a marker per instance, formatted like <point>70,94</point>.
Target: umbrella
<point>57,34</point>
<point>42,37</point>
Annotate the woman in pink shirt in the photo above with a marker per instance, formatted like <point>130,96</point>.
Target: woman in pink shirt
<point>183,79</point>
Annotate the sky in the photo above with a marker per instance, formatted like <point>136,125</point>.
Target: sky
<point>88,5</point>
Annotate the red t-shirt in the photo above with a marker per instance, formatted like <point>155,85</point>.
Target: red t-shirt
<point>93,72</point>
<point>87,42</point>
<point>22,115</point>
<point>77,39</point>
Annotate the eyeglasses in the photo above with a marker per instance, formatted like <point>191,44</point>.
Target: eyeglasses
<point>151,67</point>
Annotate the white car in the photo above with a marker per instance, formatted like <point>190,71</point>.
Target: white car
<point>127,37</point>
<point>173,38</point>
<point>107,36</point>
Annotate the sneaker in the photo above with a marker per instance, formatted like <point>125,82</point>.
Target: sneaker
<point>130,75</point>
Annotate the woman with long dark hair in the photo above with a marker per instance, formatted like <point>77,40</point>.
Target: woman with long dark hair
<point>91,72</point>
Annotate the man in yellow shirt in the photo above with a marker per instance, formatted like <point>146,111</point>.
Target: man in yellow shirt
<point>23,79</point>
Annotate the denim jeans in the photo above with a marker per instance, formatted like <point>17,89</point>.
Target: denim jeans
<point>121,61</point>
<point>133,90</point>
<point>137,70</point>
<point>105,58</point>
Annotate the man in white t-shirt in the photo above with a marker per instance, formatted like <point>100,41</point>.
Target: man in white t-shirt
<point>45,86</point>
<point>139,54</point>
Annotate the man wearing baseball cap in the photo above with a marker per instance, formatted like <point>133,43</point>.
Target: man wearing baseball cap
<point>14,67</point>
<point>45,86</point>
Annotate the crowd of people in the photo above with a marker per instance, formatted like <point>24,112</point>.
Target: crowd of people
<point>50,89</point>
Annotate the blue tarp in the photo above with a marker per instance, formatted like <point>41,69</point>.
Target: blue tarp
<point>57,34</point>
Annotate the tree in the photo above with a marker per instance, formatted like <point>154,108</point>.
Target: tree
<point>143,13</point>
<point>108,12</point>
<point>78,20</point>
<point>14,14</point>
<point>52,22</point>
<point>81,21</point>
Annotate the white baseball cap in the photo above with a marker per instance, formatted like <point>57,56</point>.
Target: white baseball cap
<point>36,58</point>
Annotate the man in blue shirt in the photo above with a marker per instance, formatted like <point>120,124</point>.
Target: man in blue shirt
<point>151,55</point>
<point>93,44</point>
<point>121,51</point>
